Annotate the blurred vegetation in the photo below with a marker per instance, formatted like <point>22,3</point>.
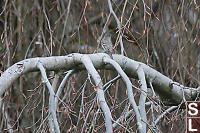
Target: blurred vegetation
<point>163,34</point>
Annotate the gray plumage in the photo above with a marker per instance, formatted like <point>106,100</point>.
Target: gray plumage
<point>106,44</point>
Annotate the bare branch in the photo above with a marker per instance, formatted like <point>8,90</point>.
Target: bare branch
<point>143,97</point>
<point>118,26</point>
<point>52,105</point>
<point>170,109</point>
<point>100,93</point>
<point>62,85</point>
<point>169,92</point>
<point>129,89</point>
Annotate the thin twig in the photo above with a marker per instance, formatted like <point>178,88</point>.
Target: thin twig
<point>65,23</point>
<point>118,26</point>
<point>50,30</point>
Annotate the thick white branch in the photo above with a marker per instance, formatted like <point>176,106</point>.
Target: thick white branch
<point>164,86</point>
<point>143,97</point>
<point>129,89</point>
<point>100,93</point>
<point>52,105</point>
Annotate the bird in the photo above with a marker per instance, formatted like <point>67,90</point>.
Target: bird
<point>106,44</point>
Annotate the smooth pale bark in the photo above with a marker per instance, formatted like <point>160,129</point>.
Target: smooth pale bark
<point>169,92</point>
<point>100,92</point>
<point>143,96</point>
<point>129,90</point>
<point>53,122</point>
